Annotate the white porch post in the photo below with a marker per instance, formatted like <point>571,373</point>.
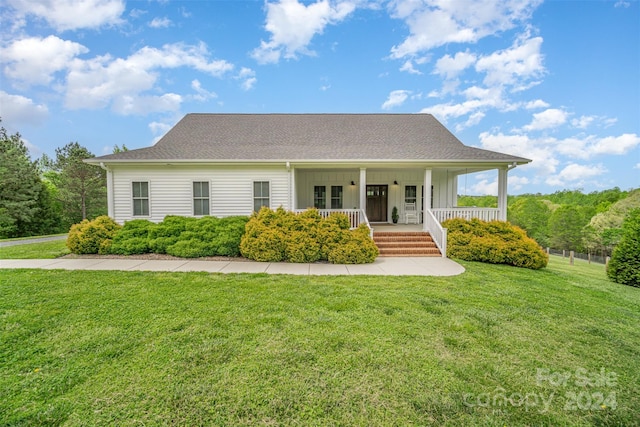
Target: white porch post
<point>363,189</point>
<point>427,196</point>
<point>292,194</point>
<point>110,201</point>
<point>502,194</point>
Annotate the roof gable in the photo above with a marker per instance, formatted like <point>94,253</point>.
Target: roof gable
<point>309,137</point>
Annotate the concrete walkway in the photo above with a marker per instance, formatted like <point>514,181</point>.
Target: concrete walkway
<point>409,266</point>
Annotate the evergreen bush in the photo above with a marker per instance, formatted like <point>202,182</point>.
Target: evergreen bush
<point>306,237</point>
<point>88,237</point>
<point>495,242</point>
<point>624,266</point>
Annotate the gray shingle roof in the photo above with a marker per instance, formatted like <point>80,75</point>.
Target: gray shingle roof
<point>296,137</point>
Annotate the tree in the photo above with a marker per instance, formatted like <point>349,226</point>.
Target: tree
<point>82,186</point>
<point>565,227</point>
<point>532,215</point>
<point>20,189</point>
<point>624,266</point>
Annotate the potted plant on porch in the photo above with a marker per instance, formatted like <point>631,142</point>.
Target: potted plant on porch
<point>394,215</point>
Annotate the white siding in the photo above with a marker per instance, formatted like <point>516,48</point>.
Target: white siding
<point>171,189</point>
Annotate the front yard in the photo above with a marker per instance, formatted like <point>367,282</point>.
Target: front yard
<point>495,346</point>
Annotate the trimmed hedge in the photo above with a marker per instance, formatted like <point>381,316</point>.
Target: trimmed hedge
<point>306,237</point>
<point>494,242</point>
<point>179,236</point>
<point>92,237</point>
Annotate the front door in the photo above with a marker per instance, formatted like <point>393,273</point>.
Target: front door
<point>377,203</point>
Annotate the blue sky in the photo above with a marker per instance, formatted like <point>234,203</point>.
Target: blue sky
<point>557,81</point>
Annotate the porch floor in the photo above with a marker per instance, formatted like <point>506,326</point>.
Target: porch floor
<point>379,227</point>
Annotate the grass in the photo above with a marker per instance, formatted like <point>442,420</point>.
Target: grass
<point>142,348</point>
<point>42,250</point>
<point>13,239</point>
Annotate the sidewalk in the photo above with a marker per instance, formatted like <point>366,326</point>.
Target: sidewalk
<point>410,266</point>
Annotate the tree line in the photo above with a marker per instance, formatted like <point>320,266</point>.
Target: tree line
<point>569,219</point>
<point>48,195</point>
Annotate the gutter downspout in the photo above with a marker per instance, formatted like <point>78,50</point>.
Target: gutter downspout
<point>110,207</point>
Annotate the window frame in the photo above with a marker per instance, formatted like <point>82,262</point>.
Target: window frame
<point>201,198</point>
<point>411,199</point>
<point>339,199</point>
<point>261,197</point>
<point>141,198</point>
<point>320,202</point>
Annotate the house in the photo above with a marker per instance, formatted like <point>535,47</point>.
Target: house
<point>363,164</point>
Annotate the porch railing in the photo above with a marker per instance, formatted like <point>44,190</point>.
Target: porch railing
<point>438,233</point>
<point>356,216</point>
<point>484,214</point>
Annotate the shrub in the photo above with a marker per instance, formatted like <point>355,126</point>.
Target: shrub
<point>624,266</point>
<point>89,237</point>
<point>133,238</point>
<point>307,237</point>
<point>358,248</point>
<point>495,242</point>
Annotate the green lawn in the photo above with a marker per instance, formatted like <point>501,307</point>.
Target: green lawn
<point>43,250</point>
<point>134,348</point>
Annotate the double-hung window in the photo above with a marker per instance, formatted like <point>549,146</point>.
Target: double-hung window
<point>140,192</point>
<point>320,197</point>
<point>410,193</point>
<point>260,195</point>
<point>200,198</point>
<point>336,197</point>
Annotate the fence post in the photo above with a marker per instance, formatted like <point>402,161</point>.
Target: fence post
<point>589,257</point>
<point>547,250</point>
<point>606,261</point>
<point>563,253</point>
<point>570,257</point>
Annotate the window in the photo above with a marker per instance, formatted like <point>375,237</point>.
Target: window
<point>140,191</point>
<point>201,198</point>
<point>320,197</point>
<point>336,197</point>
<point>260,195</point>
<point>410,193</point>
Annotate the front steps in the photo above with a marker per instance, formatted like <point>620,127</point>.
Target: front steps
<point>405,243</point>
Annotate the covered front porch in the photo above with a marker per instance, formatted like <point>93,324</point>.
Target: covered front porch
<point>371,194</point>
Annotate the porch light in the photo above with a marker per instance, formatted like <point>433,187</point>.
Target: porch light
<point>353,183</point>
<point>395,182</point>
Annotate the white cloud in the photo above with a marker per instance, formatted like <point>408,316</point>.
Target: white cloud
<point>583,122</point>
<point>103,80</point>
<point>248,77</point>
<point>292,26</point>
<point>142,105</point>
<point>517,182</point>
<point>34,60</point>
<point>485,188</point>
<point>575,172</point>
<point>478,99</point>
<point>449,67</point>
<point>549,118</point>
<point>160,22</point>
<point>201,93</point>
<point>395,99</point>
<point>433,23</point>
<point>615,144</point>
<point>538,103</point>
<point>159,128</point>
<point>637,166</point>
<point>541,151</point>
<point>515,65</point>
<point>72,14</point>
<point>17,109</point>
<point>409,68</point>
